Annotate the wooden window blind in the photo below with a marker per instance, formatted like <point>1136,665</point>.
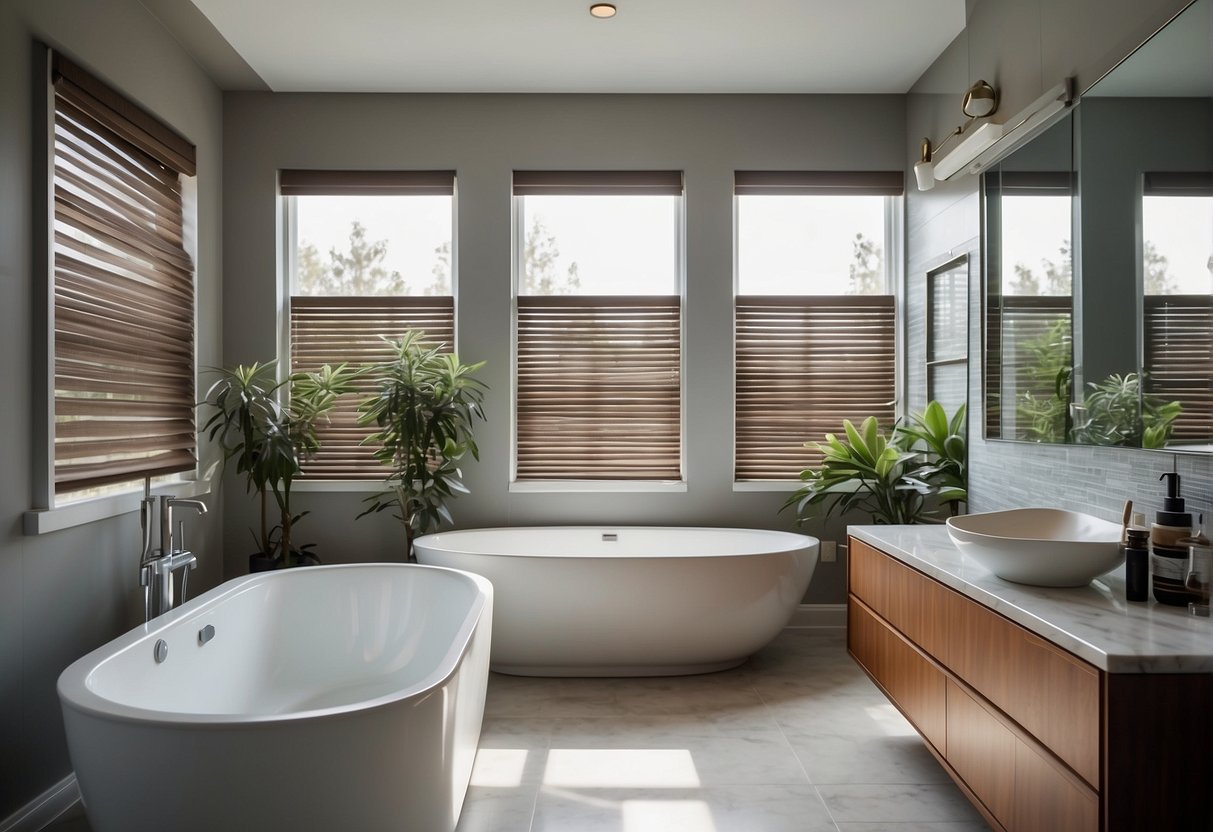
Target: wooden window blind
<point>818,183</point>
<point>123,287</point>
<point>1019,327</point>
<point>333,330</point>
<point>347,328</point>
<point>599,388</point>
<point>804,364</point>
<point>1179,360</point>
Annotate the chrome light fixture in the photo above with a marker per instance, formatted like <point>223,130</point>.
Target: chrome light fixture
<point>979,101</point>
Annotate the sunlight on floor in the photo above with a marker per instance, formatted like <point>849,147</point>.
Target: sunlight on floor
<point>890,720</point>
<point>654,768</point>
<point>667,816</point>
<point>499,767</point>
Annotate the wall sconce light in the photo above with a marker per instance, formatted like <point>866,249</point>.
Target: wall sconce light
<point>990,141</point>
<point>979,101</point>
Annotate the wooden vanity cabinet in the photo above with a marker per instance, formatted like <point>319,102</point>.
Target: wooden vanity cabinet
<point>1037,738</point>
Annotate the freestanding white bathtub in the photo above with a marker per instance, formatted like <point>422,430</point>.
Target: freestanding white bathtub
<point>331,697</point>
<point>630,601</point>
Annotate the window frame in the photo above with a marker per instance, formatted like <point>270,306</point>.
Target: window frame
<point>518,218</point>
<point>827,183</point>
<point>347,183</point>
<point>929,363</point>
<point>51,511</point>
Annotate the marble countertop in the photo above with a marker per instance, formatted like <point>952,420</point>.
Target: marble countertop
<point>1094,622</point>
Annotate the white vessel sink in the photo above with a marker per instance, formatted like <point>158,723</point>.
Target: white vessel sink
<point>1039,546</point>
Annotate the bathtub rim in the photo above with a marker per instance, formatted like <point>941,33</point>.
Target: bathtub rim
<point>74,692</point>
<point>805,541</point>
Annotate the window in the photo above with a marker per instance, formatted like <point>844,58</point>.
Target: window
<point>1177,271</point>
<point>598,351</point>
<point>948,335</point>
<point>1029,349</point>
<point>122,329</point>
<point>814,314</point>
<point>370,255</point>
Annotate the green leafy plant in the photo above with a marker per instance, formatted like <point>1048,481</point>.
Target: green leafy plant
<point>425,407</point>
<point>1115,411</point>
<point>1042,415</point>
<point>889,479</point>
<point>269,442</point>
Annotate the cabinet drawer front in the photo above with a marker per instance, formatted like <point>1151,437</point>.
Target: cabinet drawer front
<point>1048,799</point>
<point>1054,696</point>
<point>913,603</point>
<point>914,685</point>
<point>982,751</point>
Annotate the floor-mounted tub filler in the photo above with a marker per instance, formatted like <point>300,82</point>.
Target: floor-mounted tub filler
<point>331,697</point>
<point>631,601</point>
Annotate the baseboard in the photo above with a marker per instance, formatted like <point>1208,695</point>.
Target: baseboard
<point>44,808</point>
<point>815,616</point>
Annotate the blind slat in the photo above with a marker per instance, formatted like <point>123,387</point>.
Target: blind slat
<point>818,183</point>
<point>366,182</point>
<point>598,182</point>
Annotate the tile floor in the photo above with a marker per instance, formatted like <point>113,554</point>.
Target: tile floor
<point>797,740</point>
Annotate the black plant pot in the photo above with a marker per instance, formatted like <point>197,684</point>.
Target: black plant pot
<point>261,563</point>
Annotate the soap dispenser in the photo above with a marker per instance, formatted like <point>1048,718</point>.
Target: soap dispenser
<point>1168,556</point>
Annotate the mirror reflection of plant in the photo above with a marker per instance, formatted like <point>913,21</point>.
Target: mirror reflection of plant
<point>1041,416</point>
<point>270,442</point>
<point>1115,411</point>
<point>425,407</point>
<point>890,479</point>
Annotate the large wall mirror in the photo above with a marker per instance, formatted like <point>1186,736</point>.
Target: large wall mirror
<point>1099,259</point>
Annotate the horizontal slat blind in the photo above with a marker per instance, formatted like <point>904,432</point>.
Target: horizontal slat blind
<point>818,183</point>
<point>804,364</point>
<point>1179,360</point>
<point>123,290</point>
<point>366,182</point>
<point>333,330</point>
<point>1016,323</point>
<point>599,388</point>
<point>1177,183</point>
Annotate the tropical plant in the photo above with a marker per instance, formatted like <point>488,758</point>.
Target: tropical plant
<point>270,442</point>
<point>1115,411</point>
<point>890,479</point>
<point>424,407</point>
<point>1040,415</point>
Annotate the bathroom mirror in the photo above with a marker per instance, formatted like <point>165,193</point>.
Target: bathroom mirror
<point>1099,259</point>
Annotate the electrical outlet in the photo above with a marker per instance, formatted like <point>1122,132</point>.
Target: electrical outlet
<point>829,551</point>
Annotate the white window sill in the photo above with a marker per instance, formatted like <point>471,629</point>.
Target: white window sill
<point>767,485</point>
<point>44,521</point>
<point>597,486</point>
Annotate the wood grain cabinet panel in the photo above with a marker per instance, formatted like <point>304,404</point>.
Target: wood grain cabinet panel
<point>982,751</point>
<point>915,686</point>
<point>1046,799</point>
<point>1051,694</point>
<point>914,604</point>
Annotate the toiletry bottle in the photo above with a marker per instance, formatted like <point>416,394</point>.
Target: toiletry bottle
<point>1168,556</point>
<point>1200,569</point>
<point>1137,560</point>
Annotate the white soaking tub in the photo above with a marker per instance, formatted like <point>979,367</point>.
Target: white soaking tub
<point>630,601</point>
<point>324,698</point>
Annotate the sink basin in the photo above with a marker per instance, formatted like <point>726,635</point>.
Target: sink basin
<point>1039,546</point>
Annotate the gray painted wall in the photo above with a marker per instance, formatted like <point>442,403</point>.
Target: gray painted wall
<point>484,138</point>
<point>1024,49</point>
<point>63,594</point>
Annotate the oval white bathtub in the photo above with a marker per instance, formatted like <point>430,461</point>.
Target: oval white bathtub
<point>575,601</point>
<point>331,697</point>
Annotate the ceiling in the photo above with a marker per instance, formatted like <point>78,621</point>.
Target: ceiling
<point>651,46</point>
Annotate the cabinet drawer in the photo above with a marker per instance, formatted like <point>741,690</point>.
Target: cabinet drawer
<point>909,679</point>
<point>1047,799</point>
<point>982,751</point>
<point>1054,696</point>
<point>913,603</point>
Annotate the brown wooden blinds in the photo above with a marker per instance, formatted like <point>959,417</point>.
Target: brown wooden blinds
<point>1179,360</point>
<point>123,290</point>
<point>818,183</point>
<point>804,364</point>
<point>336,330</point>
<point>1028,340</point>
<point>599,388</point>
<point>366,182</point>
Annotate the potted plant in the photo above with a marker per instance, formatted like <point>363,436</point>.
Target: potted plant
<point>424,409</point>
<point>889,478</point>
<point>270,442</point>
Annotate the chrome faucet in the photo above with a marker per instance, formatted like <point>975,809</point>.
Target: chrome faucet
<point>156,566</point>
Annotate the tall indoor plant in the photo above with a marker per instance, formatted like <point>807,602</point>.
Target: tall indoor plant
<point>269,441</point>
<point>424,408</point>
<point>894,479</point>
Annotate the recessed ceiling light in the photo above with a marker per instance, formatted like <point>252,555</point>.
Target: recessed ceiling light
<point>603,10</point>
